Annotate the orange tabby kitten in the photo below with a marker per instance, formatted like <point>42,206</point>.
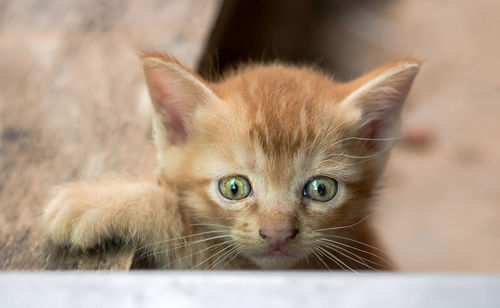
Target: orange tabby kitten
<point>273,167</point>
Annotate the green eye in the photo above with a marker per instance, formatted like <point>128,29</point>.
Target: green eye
<point>321,189</point>
<point>234,187</point>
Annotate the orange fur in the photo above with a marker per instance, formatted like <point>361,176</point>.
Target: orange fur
<point>276,125</point>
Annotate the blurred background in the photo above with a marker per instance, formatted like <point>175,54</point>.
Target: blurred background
<point>72,104</point>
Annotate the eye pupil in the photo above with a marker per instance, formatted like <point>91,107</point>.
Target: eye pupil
<point>234,188</point>
<point>321,189</point>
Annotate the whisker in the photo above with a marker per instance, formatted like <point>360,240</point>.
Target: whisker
<point>336,262</point>
<point>205,239</point>
<point>181,238</point>
<point>357,157</point>
<point>183,245</point>
<point>325,138</point>
<point>368,139</point>
<point>330,255</point>
<point>199,252</point>
<point>343,227</point>
<point>320,259</point>
<point>360,260</point>
<point>212,256</point>
<point>212,225</point>
<point>355,241</point>
<point>223,257</point>
<point>322,253</point>
<point>358,249</point>
<point>235,255</point>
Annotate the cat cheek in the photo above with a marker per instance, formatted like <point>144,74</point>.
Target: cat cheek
<point>233,205</point>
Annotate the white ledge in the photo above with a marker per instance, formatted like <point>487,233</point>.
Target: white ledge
<point>246,289</point>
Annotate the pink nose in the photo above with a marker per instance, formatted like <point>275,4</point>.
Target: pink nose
<point>277,236</point>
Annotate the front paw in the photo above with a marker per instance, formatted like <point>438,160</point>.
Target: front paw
<point>70,218</point>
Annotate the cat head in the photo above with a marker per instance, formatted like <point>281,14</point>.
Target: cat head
<point>275,156</point>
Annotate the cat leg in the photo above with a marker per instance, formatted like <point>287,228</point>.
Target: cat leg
<point>85,215</point>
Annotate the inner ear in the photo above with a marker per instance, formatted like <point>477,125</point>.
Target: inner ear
<point>372,132</point>
<point>175,92</point>
<point>377,99</point>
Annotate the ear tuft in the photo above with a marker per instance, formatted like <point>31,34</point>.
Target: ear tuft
<point>378,98</point>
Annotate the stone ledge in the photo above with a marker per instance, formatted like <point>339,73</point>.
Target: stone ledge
<point>246,289</point>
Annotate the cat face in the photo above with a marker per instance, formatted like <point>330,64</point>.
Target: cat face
<point>273,156</point>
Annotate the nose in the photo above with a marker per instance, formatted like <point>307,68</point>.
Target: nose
<point>275,235</point>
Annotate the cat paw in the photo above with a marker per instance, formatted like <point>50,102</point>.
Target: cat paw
<point>69,219</point>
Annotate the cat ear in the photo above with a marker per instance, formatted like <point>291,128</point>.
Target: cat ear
<point>376,100</point>
<point>175,93</point>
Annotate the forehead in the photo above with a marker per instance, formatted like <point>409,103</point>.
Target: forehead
<point>281,107</point>
<point>277,120</point>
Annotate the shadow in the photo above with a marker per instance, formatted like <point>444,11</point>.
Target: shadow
<point>289,31</point>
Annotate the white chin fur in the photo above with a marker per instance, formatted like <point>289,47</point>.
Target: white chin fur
<point>274,262</point>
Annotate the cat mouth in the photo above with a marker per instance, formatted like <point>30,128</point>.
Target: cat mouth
<point>274,258</point>
<point>277,252</point>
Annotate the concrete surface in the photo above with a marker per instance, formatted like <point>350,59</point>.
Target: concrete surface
<point>246,289</point>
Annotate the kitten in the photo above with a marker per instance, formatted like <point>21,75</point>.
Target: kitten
<point>273,167</point>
